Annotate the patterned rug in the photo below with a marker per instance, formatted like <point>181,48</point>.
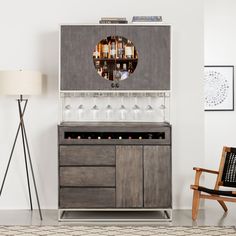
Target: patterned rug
<point>115,230</point>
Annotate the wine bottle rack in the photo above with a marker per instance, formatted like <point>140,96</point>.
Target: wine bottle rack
<point>114,135</point>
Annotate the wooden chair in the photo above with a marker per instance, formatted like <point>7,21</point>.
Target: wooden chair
<point>226,176</point>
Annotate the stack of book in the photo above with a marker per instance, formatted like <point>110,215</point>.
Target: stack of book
<point>147,19</point>
<point>113,20</point>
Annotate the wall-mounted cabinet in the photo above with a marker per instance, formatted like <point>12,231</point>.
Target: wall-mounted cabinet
<point>87,51</point>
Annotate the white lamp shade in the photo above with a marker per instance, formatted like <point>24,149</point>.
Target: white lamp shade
<point>20,82</point>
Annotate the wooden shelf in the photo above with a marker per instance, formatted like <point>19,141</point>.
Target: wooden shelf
<point>116,59</point>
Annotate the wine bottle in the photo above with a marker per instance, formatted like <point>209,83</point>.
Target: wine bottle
<point>124,72</point>
<point>105,70</point>
<point>120,49</point>
<point>128,49</point>
<point>130,68</point>
<point>105,48</point>
<point>113,47</point>
<point>96,53</point>
<point>97,65</point>
<point>117,72</point>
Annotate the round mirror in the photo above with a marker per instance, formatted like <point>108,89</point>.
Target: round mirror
<point>115,58</point>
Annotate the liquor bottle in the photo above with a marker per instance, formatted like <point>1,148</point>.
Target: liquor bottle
<point>113,47</point>
<point>97,65</point>
<point>105,70</point>
<point>128,49</point>
<point>96,53</point>
<point>130,68</point>
<point>124,67</point>
<point>124,72</point>
<point>105,48</point>
<point>120,49</point>
<point>117,72</point>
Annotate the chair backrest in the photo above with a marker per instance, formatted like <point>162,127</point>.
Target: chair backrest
<point>228,167</point>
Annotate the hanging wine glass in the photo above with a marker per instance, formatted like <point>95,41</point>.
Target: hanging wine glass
<point>80,112</point>
<point>108,111</point>
<point>162,107</point>
<point>136,110</point>
<point>68,112</point>
<point>123,112</point>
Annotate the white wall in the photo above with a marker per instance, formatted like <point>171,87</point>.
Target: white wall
<point>220,49</point>
<point>29,40</point>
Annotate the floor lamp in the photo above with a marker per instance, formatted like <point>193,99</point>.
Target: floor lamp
<point>22,83</point>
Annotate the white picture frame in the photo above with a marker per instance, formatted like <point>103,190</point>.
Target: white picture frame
<point>219,88</point>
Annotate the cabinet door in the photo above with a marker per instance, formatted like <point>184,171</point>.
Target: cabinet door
<point>129,176</point>
<point>153,46</point>
<point>77,45</point>
<point>157,177</point>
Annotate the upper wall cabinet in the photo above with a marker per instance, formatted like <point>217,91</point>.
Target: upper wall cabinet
<point>115,57</point>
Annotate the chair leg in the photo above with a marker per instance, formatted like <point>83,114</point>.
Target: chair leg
<point>195,205</point>
<point>223,206</point>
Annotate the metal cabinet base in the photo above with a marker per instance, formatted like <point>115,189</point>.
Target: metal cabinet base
<point>90,215</point>
<point>116,167</point>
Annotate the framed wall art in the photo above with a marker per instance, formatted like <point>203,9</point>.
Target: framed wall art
<point>219,88</point>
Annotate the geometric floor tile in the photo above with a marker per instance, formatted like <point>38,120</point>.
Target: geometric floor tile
<point>72,230</point>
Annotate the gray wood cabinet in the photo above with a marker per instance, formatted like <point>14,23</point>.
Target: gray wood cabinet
<point>157,169</point>
<point>132,172</point>
<point>77,71</point>
<point>129,176</point>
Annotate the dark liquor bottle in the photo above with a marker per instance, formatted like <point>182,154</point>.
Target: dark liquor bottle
<point>117,72</point>
<point>128,49</point>
<point>113,47</point>
<point>105,70</point>
<point>130,68</point>
<point>105,48</point>
<point>120,49</point>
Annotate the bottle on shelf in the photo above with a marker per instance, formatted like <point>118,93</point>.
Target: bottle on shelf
<point>96,53</point>
<point>124,72</point>
<point>113,47</point>
<point>129,50</point>
<point>97,65</point>
<point>117,72</point>
<point>120,49</point>
<point>105,70</point>
<point>105,48</point>
<point>130,68</point>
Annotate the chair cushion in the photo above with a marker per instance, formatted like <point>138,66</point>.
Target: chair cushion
<point>216,192</point>
<point>229,171</point>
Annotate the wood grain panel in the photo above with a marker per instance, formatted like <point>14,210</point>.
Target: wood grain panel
<point>129,176</point>
<point>157,176</point>
<point>87,155</point>
<point>87,176</point>
<point>87,197</point>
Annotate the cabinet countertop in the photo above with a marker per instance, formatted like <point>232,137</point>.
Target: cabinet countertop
<point>115,124</point>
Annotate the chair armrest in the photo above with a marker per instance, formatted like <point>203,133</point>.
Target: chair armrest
<point>206,170</point>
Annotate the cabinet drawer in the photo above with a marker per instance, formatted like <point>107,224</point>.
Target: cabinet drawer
<point>87,155</point>
<point>87,176</point>
<point>87,197</point>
